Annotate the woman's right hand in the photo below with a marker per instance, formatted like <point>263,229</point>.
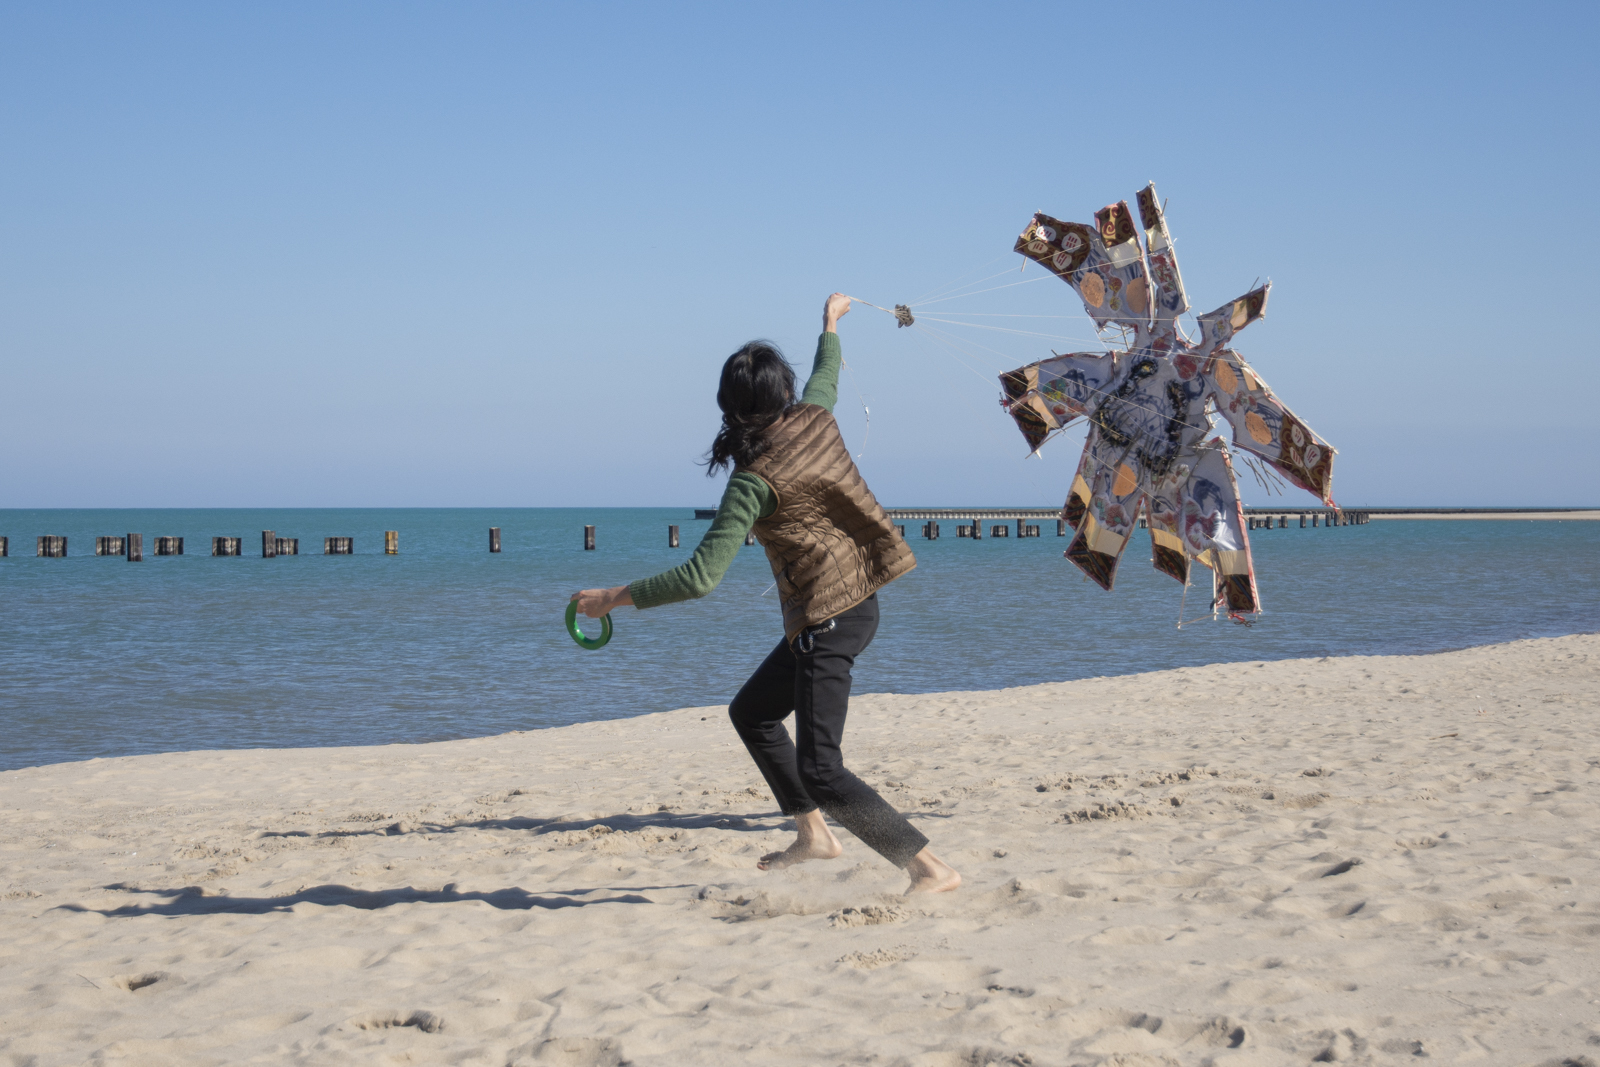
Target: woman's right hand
<point>837,307</point>
<point>597,602</point>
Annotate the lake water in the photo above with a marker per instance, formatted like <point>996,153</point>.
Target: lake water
<point>101,657</point>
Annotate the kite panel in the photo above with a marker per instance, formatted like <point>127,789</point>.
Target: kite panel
<point>1044,397</point>
<point>1264,426</point>
<point>1077,504</point>
<point>1218,327</point>
<point>1166,541</point>
<point>1212,520</point>
<point>1103,263</point>
<point>1170,300</point>
<point>1060,247</point>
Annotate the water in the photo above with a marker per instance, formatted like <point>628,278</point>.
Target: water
<point>101,657</point>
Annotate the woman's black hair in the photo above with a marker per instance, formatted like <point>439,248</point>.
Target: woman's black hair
<point>757,387</point>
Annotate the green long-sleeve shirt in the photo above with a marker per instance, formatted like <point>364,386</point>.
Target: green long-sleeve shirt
<point>746,499</point>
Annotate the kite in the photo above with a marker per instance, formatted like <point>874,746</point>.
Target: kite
<point>1150,408</point>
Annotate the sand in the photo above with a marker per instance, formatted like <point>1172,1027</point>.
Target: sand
<point>1364,860</point>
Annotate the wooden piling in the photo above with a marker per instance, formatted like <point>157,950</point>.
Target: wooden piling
<point>900,529</point>
<point>52,547</point>
<point>288,546</point>
<point>930,531</point>
<point>750,538</point>
<point>494,539</point>
<point>588,538</point>
<point>391,542</point>
<point>269,544</point>
<point>672,537</point>
<point>977,530</point>
<point>999,529</point>
<point>169,546</point>
<point>227,546</point>
<point>108,546</point>
<point>1061,527</point>
<point>134,544</point>
<point>338,546</point>
<point>5,547</point>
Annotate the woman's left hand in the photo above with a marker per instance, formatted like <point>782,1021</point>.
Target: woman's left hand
<point>596,603</point>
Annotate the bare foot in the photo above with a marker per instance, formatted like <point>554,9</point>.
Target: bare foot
<point>930,874</point>
<point>815,842</point>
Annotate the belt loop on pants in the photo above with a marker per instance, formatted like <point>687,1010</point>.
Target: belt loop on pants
<point>806,640</point>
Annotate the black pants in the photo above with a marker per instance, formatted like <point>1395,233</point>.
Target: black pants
<point>809,772</point>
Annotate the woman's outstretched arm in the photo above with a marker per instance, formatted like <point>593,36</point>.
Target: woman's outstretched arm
<point>745,500</point>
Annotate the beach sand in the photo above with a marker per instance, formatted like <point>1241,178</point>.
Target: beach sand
<point>1364,860</point>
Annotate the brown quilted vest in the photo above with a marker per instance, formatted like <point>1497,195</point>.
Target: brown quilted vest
<point>829,543</point>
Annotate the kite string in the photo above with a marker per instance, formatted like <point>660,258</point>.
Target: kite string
<point>870,304</point>
<point>951,290</point>
<point>1204,429</point>
<point>867,434</point>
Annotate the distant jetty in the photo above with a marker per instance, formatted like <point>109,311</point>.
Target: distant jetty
<point>1324,514</point>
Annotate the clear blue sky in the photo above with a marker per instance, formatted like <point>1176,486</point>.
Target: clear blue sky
<point>342,254</point>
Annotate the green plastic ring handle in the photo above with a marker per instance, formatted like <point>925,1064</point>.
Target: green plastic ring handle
<point>591,643</point>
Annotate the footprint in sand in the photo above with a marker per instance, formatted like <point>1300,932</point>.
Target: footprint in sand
<point>426,1021</point>
<point>879,957</point>
<point>569,1052</point>
<point>869,915</point>
<point>135,982</point>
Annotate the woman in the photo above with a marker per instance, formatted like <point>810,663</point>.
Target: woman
<point>831,548</point>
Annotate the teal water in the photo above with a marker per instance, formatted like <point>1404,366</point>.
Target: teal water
<point>101,657</point>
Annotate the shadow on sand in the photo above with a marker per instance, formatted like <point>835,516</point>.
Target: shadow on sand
<point>659,820</point>
<point>191,900</point>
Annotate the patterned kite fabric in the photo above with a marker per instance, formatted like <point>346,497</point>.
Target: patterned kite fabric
<point>1150,407</point>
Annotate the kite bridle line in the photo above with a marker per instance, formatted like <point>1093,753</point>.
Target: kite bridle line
<point>1223,356</point>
